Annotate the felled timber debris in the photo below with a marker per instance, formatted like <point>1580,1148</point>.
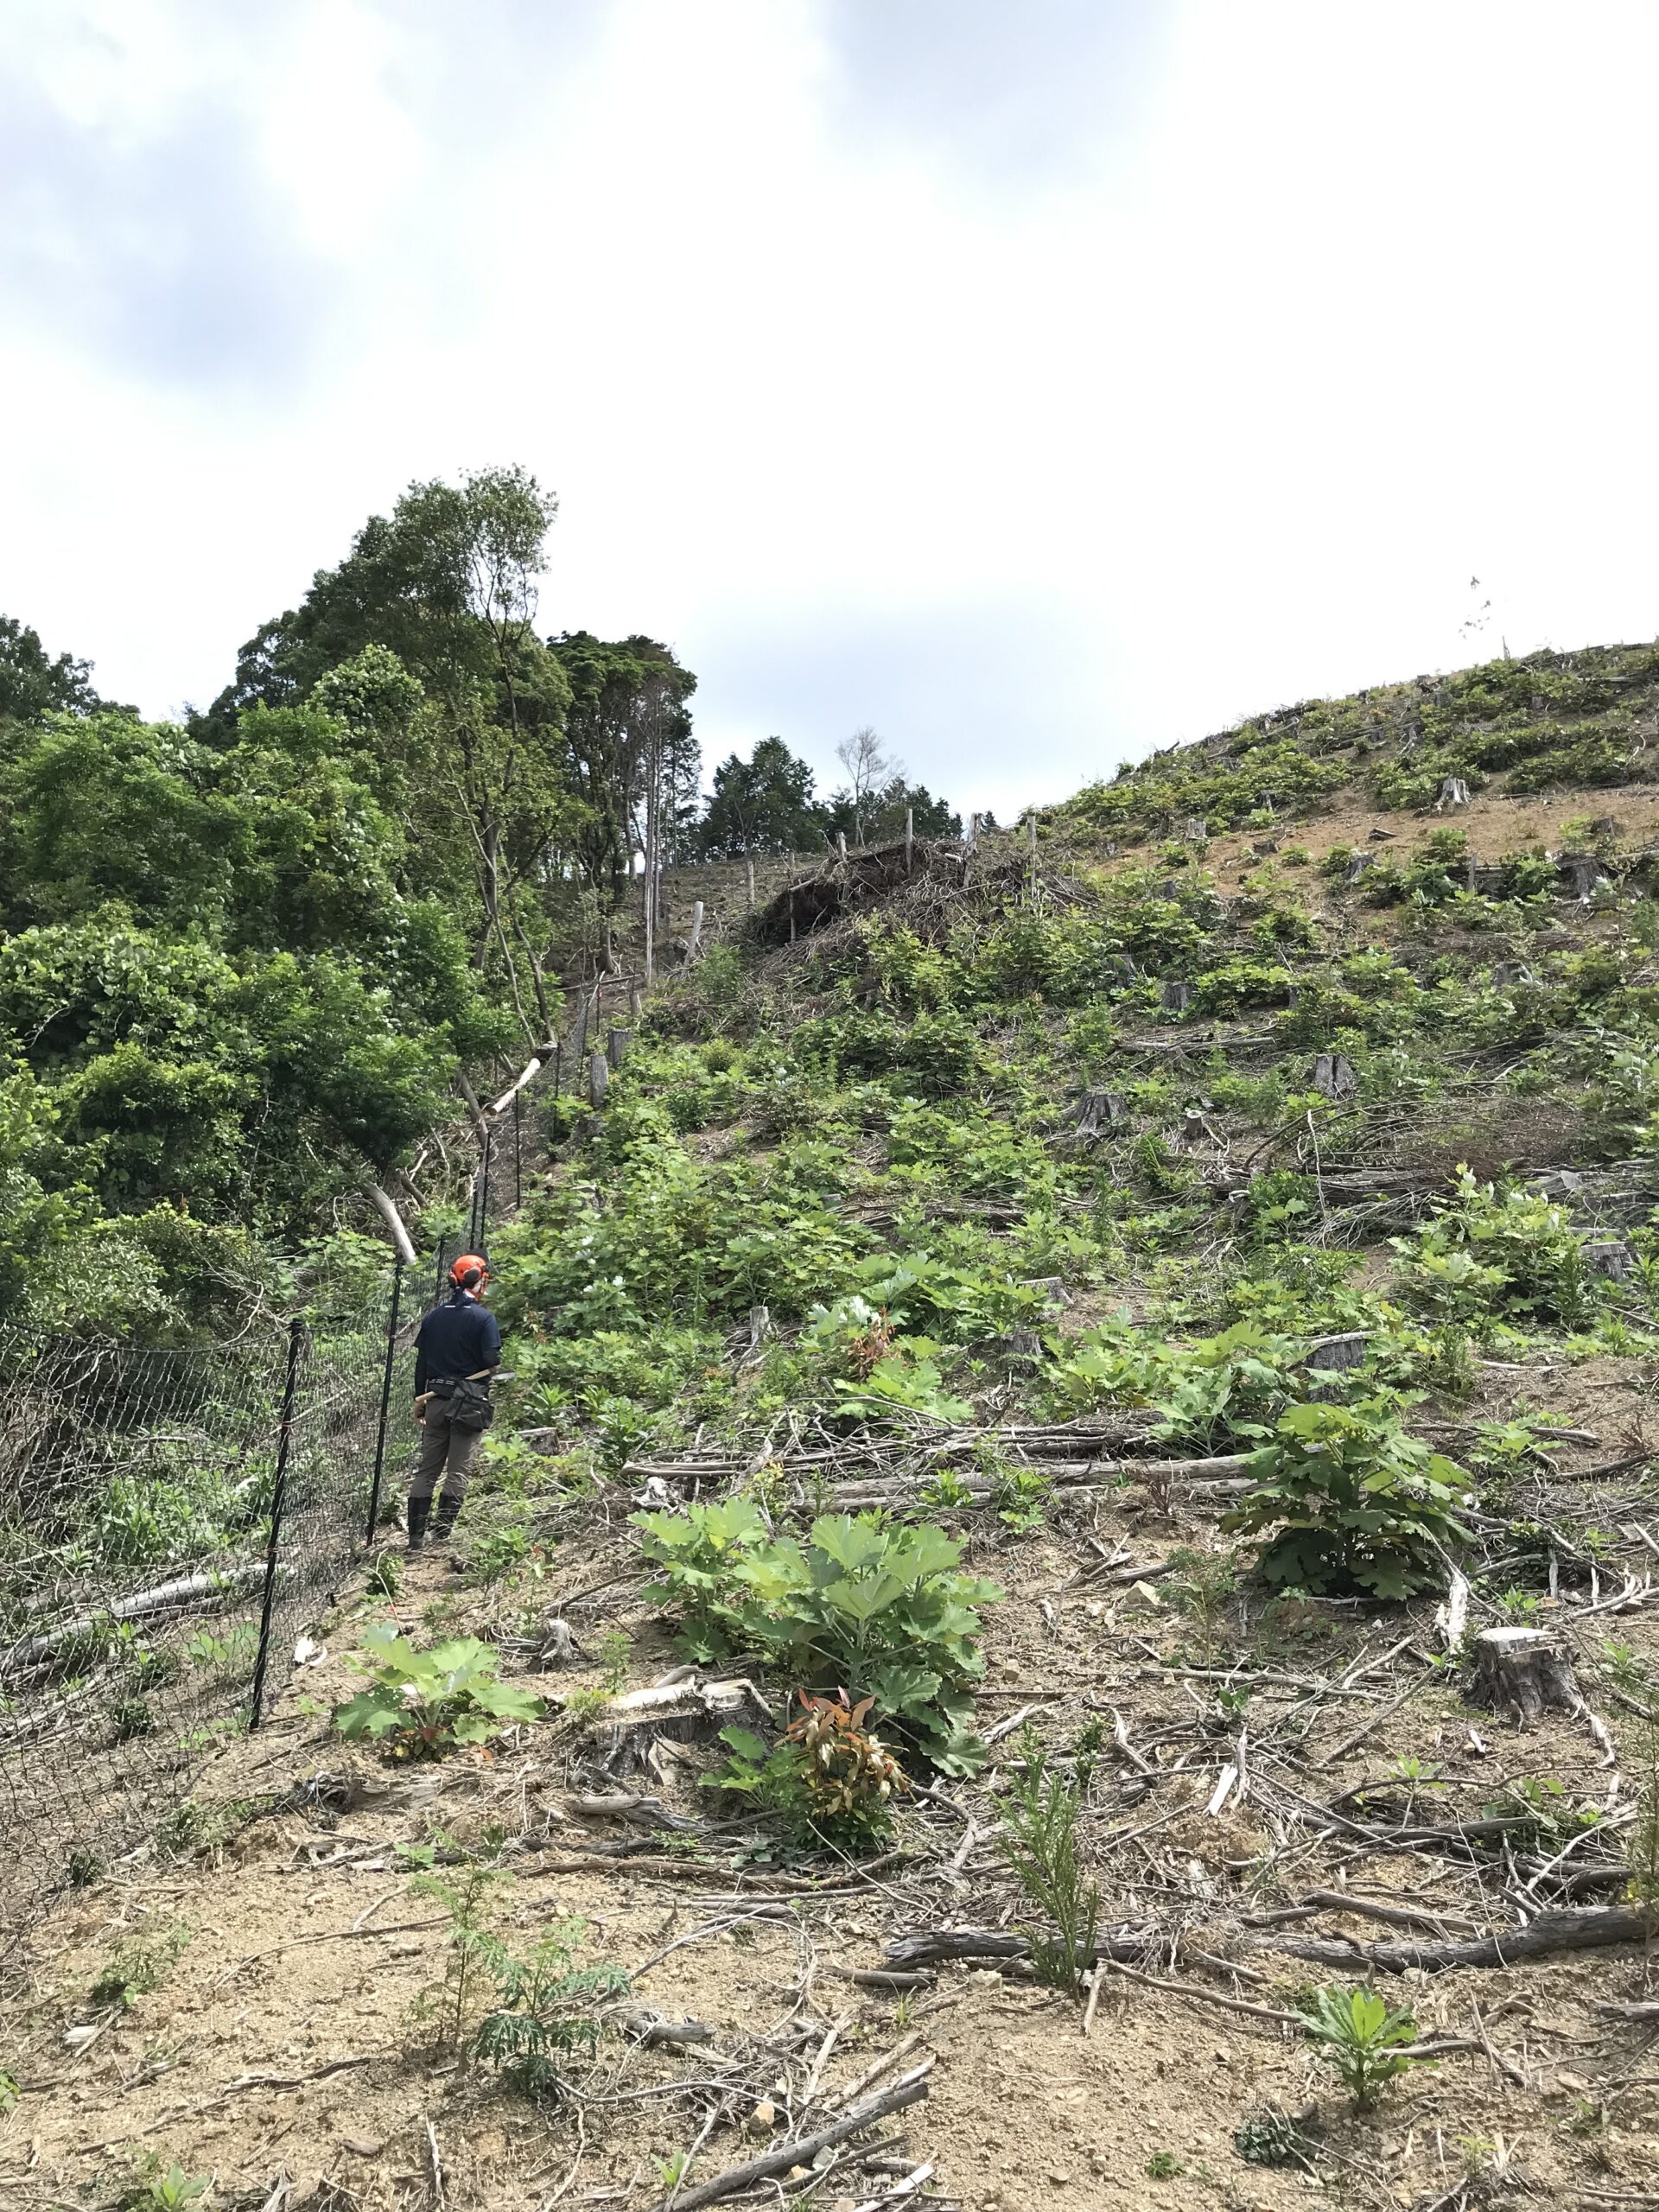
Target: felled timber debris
<point>1585,1928</point>
<point>810,903</point>
<point>802,2150</point>
<point>1547,1934</point>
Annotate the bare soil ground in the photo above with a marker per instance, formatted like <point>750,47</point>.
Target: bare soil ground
<point>279,2053</point>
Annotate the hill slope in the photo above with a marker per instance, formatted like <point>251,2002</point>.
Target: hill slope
<point>1214,1236</point>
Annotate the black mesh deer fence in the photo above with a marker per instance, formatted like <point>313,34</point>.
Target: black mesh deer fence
<point>170,1518</point>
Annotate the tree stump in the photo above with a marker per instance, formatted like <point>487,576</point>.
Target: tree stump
<point>598,1078</point>
<point>1581,872</point>
<point>1333,1075</point>
<point>1177,998</point>
<point>1520,1671</point>
<point>1335,1355</point>
<point>1361,864</point>
<point>1453,792</point>
<point>1609,1256</point>
<point>1101,1114</point>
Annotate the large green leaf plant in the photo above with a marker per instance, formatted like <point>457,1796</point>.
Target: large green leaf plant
<point>1350,1501</point>
<point>882,1612</point>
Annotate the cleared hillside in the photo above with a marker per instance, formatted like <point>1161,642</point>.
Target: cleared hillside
<point>1142,1302</point>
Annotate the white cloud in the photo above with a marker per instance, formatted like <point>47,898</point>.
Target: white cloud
<point>878,401</point>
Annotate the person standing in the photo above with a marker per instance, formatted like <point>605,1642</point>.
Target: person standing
<point>457,1350</point>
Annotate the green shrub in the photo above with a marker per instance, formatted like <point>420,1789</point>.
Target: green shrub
<point>1357,2033</point>
<point>1219,1389</point>
<point>882,1612</point>
<point>1529,875</point>
<point>1515,1254</point>
<point>1238,985</point>
<point>1597,754</point>
<point>542,2012</point>
<point>1352,1502</point>
<point>421,1704</point>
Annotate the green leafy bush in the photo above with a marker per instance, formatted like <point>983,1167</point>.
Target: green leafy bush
<point>542,2011</point>
<point>1361,2036</point>
<point>421,1704</point>
<point>882,1612</point>
<point>1238,985</point>
<point>1352,1502</point>
<point>1220,1388</point>
<point>1514,1254</point>
<point>1597,754</point>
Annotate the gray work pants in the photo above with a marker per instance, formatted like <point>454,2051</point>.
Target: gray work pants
<point>446,1452</point>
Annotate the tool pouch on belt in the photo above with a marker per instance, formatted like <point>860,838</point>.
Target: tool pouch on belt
<point>469,1404</point>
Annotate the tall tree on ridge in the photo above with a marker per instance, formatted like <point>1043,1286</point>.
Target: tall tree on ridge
<point>869,766</point>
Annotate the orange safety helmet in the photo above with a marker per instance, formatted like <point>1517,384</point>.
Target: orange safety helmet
<point>469,1271</point>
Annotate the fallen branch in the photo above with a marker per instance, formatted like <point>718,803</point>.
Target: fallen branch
<point>908,2089</point>
<point>932,1945</point>
<point>1350,1742</point>
<point>394,1221</point>
<point>1585,1928</point>
<point>165,1597</point>
<point>1397,1915</point>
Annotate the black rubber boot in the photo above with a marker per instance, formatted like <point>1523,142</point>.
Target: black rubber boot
<point>420,1511</point>
<point>444,1521</point>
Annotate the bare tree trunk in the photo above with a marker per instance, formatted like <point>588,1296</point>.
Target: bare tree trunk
<point>651,873</point>
<point>394,1221</point>
<point>472,1107</point>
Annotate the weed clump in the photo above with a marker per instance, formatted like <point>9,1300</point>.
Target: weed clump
<point>1362,2038</point>
<point>421,1704</point>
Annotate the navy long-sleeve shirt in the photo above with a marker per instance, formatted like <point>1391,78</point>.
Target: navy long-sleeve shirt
<point>456,1338</point>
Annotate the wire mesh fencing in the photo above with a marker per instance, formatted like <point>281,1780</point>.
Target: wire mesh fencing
<point>170,1519</point>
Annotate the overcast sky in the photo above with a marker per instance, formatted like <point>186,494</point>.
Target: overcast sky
<point>1038,380</point>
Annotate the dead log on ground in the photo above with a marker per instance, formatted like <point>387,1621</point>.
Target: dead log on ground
<point>932,1946</point>
<point>1586,1929</point>
<point>801,2150</point>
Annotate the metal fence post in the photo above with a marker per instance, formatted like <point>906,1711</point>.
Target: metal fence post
<point>385,1398</point>
<point>278,1498</point>
<point>484,1191</point>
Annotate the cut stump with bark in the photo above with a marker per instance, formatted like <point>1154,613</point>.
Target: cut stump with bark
<point>1520,1671</point>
